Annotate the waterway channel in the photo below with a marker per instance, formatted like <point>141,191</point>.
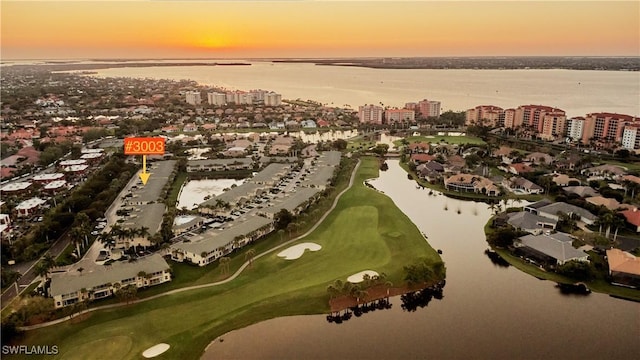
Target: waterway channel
<point>487,312</point>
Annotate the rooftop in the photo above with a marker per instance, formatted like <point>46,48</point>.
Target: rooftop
<point>557,245</point>
<point>69,283</point>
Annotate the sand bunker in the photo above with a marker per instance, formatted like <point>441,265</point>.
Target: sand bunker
<point>296,251</point>
<point>356,278</point>
<point>155,350</point>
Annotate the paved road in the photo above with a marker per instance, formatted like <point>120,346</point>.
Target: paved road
<point>28,272</point>
<point>232,277</point>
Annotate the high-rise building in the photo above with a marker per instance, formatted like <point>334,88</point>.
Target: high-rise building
<point>487,115</point>
<point>510,119</point>
<point>193,97</point>
<point>532,116</point>
<point>272,99</point>
<point>554,125</point>
<point>631,136</point>
<point>428,108</point>
<point>575,127</point>
<point>370,114</point>
<point>395,115</point>
<point>605,126</point>
<point>215,98</point>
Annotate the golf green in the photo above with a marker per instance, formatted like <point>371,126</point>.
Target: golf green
<point>364,231</point>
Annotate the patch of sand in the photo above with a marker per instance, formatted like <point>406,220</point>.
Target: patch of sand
<point>356,278</point>
<point>296,251</point>
<point>155,350</point>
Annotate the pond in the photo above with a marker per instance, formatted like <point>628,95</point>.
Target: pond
<point>488,310</point>
<point>196,192</point>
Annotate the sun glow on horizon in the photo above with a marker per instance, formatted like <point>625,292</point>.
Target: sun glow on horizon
<point>84,29</point>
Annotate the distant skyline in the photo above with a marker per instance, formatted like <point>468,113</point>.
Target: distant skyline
<point>282,29</point>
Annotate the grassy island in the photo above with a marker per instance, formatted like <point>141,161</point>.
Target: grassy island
<point>364,231</point>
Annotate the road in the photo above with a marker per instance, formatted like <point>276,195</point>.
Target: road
<point>27,270</point>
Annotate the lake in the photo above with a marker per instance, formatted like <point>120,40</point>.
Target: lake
<point>487,311</point>
<point>575,91</point>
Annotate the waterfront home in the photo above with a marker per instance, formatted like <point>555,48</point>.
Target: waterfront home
<point>624,268</point>
<point>522,185</point>
<point>531,223</point>
<point>104,281</point>
<point>421,158</point>
<point>549,249</point>
<point>471,183</point>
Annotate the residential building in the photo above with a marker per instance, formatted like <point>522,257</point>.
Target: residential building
<point>29,207</point>
<point>533,116</point>
<point>521,185</point>
<point>531,223</point>
<point>272,99</point>
<point>370,114</point>
<point>398,115</point>
<point>553,125</point>
<point>631,136</point>
<point>428,108</point>
<point>553,210</point>
<point>633,218</point>
<point>624,268</point>
<point>575,128</point>
<point>549,248</point>
<point>216,98</point>
<point>605,126</point>
<point>68,289</point>
<point>510,120</point>
<point>611,204</point>
<point>487,115</point>
<point>471,183</point>
<point>193,97</point>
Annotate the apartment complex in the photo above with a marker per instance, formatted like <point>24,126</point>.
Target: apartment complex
<point>193,97</point>
<point>68,289</point>
<point>533,116</point>
<point>631,137</point>
<point>575,128</point>
<point>217,99</point>
<point>370,114</point>
<point>606,126</point>
<point>429,108</point>
<point>398,115</point>
<point>487,115</point>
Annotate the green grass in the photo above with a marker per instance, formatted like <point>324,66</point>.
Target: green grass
<point>365,231</point>
<point>631,166</point>
<point>172,198</point>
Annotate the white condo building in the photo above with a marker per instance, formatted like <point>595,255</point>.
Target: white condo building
<point>631,137</point>
<point>193,97</point>
<point>575,128</point>
<point>216,98</point>
<point>272,99</point>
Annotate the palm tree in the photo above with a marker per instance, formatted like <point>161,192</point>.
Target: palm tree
<point>76,237</point>
<point>224,264</point>
<point>250,254</point>
<point>281,233</point>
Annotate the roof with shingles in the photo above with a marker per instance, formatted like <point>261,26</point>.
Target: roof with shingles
<point>66,283</point>
<point>556,245</point>
<point>622,261</point>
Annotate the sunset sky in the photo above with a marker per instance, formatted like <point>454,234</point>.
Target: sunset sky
<point>225,29</point>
